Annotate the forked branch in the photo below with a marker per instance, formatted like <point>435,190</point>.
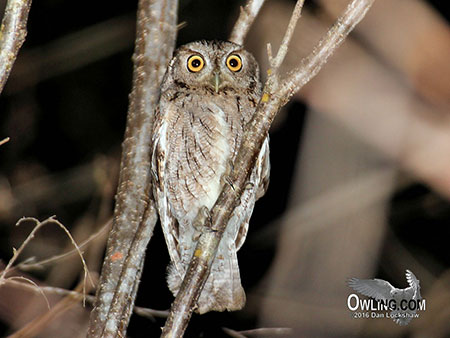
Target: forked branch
<point>275,94</point>
<point>245,20</point>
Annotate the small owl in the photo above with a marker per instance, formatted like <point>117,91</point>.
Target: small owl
<point>208,94</point>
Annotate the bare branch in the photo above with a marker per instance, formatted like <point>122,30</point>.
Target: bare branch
<point>31,264</point>
<point>245,20</point>
<point>34,327</point>
<point>282,51</point>
<point>135,214</point>
<point>5,140</point>
<point>266,332</point>
<point>30,283</point>
<point>273,98</point>
<point>39,225</point>
<point>309,67</point>
<point>12,35</point>
<point>14,281</point>
<point>269,331</point>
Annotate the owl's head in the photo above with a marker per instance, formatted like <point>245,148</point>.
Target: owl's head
<point>213,65</point>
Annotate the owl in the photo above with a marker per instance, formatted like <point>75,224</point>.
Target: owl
<point>208,95</point>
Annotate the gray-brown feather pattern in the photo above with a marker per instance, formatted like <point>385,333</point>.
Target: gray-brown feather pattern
<point>197,133</point>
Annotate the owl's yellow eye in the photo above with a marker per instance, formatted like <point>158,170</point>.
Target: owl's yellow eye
<point>195,63</point>
<point>234,63</point>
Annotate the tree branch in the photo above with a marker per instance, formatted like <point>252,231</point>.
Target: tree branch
<point>141,311</point>
<point>275,95</point>
<point>12,35</point>
<point>245,20</point>
<point>5,140</point>
<point>135,214</point>
<point>282,51</point>
<point>311,65</point>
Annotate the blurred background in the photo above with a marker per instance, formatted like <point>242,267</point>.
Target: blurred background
<point>360,180</point>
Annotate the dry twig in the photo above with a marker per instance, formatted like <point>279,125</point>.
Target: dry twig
<point>27,282</point>
<point>261,332</point>
<point>17,252</point>
<point>275,94</point>
<point>38,324</point>
<point>5,140</point>
<point>245,20</point>
<point>15,281</point>
<point>12,35</point>
<point>31,264</point>
<point>134,214</point>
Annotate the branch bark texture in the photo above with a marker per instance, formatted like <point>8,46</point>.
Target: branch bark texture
<point>135,215</point>
<point>12,35</point>
<point>275,94</point>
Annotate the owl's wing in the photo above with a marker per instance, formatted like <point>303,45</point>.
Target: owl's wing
<point>260,180</point>
<point>158,163</point>
<point>263,167</point>
<point>375,288</point>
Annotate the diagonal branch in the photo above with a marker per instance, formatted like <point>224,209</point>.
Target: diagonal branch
<point>275,95</point>
<point>245,20</point>
<point>282,51</point>
<point>134,214</point>
<point>311,65</point>
<point>12,35</point>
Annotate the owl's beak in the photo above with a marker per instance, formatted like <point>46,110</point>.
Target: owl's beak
<point>216,81</point>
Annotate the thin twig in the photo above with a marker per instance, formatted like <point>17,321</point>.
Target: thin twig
<point>309,67</point>
<point>2,142</point>
<point>17,252</point>
<point>282,51</point>
<point>32,284</point>
<point>135,214</point>
<point>31,264</point>
<point>266,332</point>
<point>39,323</point>
<point>245,20</point>
<point>12,35</point>
<point>273,98</point>
<point>141,311</point>
<point>233,333</point>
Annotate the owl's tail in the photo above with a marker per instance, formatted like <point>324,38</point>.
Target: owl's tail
<point>222,290</point>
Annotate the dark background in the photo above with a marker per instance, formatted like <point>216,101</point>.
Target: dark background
<point>62,112</point>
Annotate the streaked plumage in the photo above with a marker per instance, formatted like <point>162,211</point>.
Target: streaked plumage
<point>208,94</point>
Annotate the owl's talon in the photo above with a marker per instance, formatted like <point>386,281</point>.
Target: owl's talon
<point>196,236</point>
<point>203,218</point>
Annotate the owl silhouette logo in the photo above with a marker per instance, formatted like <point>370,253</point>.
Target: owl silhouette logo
<point>401,305</point>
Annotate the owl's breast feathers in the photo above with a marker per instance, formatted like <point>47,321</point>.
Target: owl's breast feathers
<point>203,137</point>
<point>196,138</point>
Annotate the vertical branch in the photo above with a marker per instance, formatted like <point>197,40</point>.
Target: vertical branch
<point>245,20</point>
<point>12,35</point>
<point>135,214</point>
